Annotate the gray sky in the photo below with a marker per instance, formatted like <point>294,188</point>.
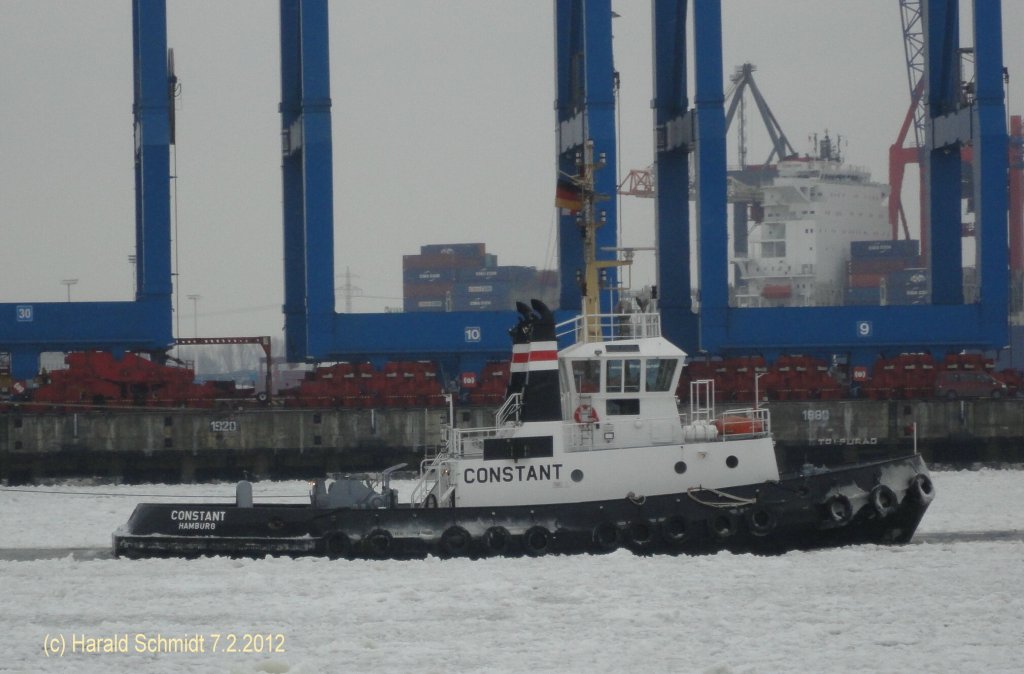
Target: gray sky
<point>443,132</point>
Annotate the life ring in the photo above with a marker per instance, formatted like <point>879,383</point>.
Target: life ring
<point>839,508</point>
<point>761,520</point>
<point>723,525</point>
<point>675,530</point>
<point>607,536</point>
<point>496,540</point>
<point>640,533</point>
<point>378,543</point>
<point>455,541</point>
<point>884,500</point>
<point>585,414</point>
<point>922,489</point>
<point>536,541</point>
<point>337,545</point>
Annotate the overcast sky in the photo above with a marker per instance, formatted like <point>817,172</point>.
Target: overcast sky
<point>443,132</point>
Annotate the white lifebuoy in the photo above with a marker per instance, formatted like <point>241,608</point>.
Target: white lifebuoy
<point>585,414</point>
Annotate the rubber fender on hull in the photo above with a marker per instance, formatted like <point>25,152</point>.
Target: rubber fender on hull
<point>455,541</point>
<point>495,541</point>
<point>675,530</point>
<point>722,525</point>
<point>338,545</point>
<point>922,489</point>
<point>640,534</point>
<point>378,543</point>
<point>536,541</point>
<point>883,500</point>
<point>761,520</point>
<point>607,536</point>
<point>839,508</point>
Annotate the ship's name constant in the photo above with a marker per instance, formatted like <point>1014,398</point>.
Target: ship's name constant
<point>512,473</point>
<point>194,520</point>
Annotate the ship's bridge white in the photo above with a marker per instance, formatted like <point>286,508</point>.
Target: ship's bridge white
<point>813,210</point>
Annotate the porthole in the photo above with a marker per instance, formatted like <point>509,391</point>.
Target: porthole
<point>576,475</point>
<point>732,461</point>
<point>680,467</point>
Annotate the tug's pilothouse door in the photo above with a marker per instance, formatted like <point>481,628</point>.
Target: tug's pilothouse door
<point>584,398</point>
<point>585,383</point>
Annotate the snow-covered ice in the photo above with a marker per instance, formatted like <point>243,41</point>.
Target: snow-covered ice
<point>938,607</point>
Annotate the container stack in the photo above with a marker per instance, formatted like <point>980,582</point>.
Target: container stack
<point>886,272</point>
<point>464,277</point>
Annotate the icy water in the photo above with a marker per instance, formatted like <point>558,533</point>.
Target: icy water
<point>949,602</point>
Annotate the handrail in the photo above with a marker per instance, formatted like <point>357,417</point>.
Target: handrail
<point>510,409</point>
<point>611,327</point>
<point>429,473</point>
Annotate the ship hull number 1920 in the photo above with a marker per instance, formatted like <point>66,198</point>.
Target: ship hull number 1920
<point>226,426</point>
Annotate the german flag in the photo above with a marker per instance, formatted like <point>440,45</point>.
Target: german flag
<point>568,195</point>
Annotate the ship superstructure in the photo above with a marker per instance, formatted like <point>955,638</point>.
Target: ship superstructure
<point>813,210</point>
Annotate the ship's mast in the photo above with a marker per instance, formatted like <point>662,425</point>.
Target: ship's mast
<point>589,221</point>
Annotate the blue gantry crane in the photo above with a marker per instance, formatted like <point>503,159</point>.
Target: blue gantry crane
<point>953,120</point>
<point>585,111</point>
<point>28,329</point>
<point>314,331</point>
<point>585,85</point>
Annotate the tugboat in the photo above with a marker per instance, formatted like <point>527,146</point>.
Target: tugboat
<point>588,454</point>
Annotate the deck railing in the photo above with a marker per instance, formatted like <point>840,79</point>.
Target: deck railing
<point>610,327</point>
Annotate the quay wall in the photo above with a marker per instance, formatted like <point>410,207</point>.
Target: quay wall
<point>196,445</point>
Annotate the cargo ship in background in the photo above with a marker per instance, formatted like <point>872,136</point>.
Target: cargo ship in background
<point>820,236</point>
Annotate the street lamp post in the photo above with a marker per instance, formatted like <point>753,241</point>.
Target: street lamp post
<point>195,314</point>
<point>68,282</point>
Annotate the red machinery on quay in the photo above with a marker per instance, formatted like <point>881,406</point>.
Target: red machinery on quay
<point>95,379</point>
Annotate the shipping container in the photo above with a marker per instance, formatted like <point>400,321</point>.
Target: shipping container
<point>863,296</point>
<point>424,305</point>
<point>906,278</point>
<point>482,288</point>
<point>428,275</point>
<point>905,295</point>
<point>887,248</point>
<point>882,265</point>
<point>454,249</point>
<point>427,290</point>
<point>478,303</point>
<point>507,273</point>
<point>441,261</point>
<point>864,280</point>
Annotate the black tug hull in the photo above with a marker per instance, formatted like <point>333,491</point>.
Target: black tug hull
<point>880,502</point>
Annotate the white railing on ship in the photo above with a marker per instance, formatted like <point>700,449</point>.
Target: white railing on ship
<point>611,327</point>
<point>735,424</point>
<point>468,443</point>
<point>510,410</point>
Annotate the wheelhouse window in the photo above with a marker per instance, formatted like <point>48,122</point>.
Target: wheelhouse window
<point>623,375</point>
<point>586,375</point>
<point>659,373</point>
<point>623,407</point>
